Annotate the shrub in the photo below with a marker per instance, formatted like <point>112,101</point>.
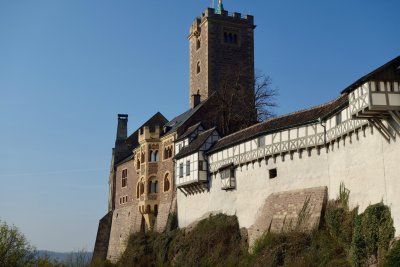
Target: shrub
<point>393,257</point>
<point>372,233</point>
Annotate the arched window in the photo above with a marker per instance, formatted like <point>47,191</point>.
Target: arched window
<point>166,182</point>
<point>198,67</point>
<point>165,155</point>
<point>230,38</point>
<point>153,185</point>
<point>141,188</point>
<point>156,155</point>
<point>137,163</point>
<point>142,157</point>
<point>170,152</point>
<point>235,38</point>
<point>155,209</point>
<point>138,190</point>
<point>151,156</point>
<point>225,37</point>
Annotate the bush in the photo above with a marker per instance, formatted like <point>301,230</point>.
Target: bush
<point>393,257</point>
<point>372,234</point>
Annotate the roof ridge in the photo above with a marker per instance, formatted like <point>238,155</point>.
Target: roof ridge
<point>282,116</point>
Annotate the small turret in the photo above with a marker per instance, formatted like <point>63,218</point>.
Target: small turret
<point>220,7</point>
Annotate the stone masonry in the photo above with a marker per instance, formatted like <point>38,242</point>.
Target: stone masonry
<point>280,211</point>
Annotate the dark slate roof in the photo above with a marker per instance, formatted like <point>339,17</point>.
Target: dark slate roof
<point>132,141</point>
<point>295,119</point>
<point>195,144</point>
<point>179,120</point>
<point>189,131</point>
<point>394,64</point>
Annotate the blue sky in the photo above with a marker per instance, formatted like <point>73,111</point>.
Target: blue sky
<point>67,68</point>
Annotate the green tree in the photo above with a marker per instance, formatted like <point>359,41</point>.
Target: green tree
<point>15,250</point>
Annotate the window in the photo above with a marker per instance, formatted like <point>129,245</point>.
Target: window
<point>166,182</point>
<point>138,190</point>
<point>124,177</point>
<point>138,163</point>
<point>228,180</point>
<point>188,168</point>
<point>261,141</point>
<point>198,69</point>
<point>141,188</point>
<point>338,118</point>
<point>153,155</point>
<point>198,44</point>
<point>167,152</point>
<point>273,173</point>
<point>201,165</point>
<point>181,170</point>
<point>153,185</point>
<point>230,38</point>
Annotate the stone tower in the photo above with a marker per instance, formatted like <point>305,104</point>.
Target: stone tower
<point>221,51</point>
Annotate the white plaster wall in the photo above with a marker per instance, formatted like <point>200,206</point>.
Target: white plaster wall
<point>369,167</point>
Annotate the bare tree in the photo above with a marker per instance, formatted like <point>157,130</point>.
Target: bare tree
<point>237,108</point>
<point>264,97</point>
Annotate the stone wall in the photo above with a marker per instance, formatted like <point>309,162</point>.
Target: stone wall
<point>280,211</point>
<point>103,237</point>
<point>126,217</point>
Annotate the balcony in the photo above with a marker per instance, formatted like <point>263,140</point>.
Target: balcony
<point>379,103</point>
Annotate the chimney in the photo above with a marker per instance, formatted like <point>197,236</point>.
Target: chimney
<point>196,99</point>
<point>122,130</point>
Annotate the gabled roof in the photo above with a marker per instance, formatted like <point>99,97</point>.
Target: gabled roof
<point>195,144</point>
<point>179,120</point>
<point>189,131</point>
<point>295,119</point>
<point>392,66</point>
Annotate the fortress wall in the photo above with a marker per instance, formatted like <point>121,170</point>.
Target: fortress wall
<point>368,167</point>
<point>125,221</point>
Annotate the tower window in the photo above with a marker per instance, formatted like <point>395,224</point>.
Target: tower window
<point>231,38</point>
<point>198,69</point>
<point>198,44</point>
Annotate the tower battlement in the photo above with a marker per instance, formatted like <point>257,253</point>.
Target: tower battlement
<point>211,13</point>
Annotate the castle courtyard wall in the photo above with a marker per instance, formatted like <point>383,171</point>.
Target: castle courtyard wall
<point>363,161</point>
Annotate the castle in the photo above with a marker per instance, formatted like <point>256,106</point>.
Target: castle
<point>195,164</point>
